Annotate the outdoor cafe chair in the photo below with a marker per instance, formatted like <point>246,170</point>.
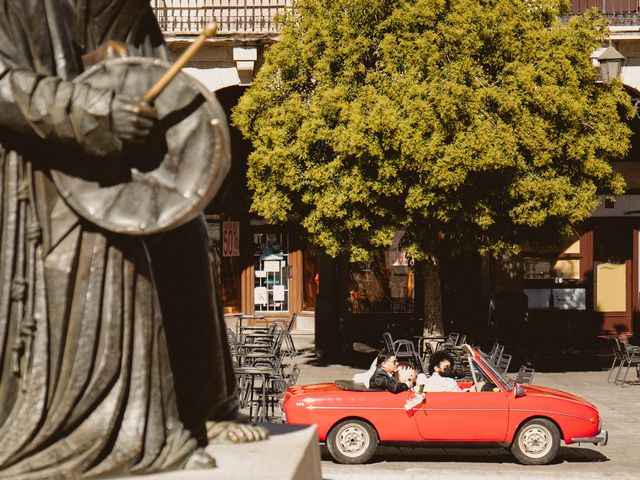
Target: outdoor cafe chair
<point>278,385</point>
<point>253,384</point>
<point>403,350</point>
<point>453,338</point>
<point>288,339</point>
<point>525,375</point>
<point>617,356</point>
<point>233,346</point>
<point>630,355</point>
<point>496,353</point>
<point>503,363</point>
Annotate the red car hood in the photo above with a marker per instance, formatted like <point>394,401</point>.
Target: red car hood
<point>550,392</point>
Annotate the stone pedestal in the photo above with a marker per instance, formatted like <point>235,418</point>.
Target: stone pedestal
<point>292,452</point>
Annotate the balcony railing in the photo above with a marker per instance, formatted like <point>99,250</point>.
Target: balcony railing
<point>618,12</point>
<point>258,16</point>
<point>233,16</point>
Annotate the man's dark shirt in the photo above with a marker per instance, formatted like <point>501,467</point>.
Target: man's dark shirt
<point>381,380</point>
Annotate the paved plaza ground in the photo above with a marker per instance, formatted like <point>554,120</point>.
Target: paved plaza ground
<point>619,408</point>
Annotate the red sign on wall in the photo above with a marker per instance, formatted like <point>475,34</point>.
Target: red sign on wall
<point>230,239</point>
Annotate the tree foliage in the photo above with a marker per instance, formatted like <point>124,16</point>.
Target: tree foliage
<point>478,119</point>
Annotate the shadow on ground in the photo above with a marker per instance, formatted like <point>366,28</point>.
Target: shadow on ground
<point>471,455</point>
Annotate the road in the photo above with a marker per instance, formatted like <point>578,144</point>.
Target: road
<point>620,459</point>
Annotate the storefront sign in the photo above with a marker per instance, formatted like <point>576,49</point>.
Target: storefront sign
<point>260,296</point>
<point>569,299</point>
<point>272,266</point>
<point>230,239</point>
<point>278,293</point>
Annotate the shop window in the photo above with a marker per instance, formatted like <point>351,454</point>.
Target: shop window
<point>560,268</point>
<point>551,282</point>
<point>271,272</point>
<point>383,284</point>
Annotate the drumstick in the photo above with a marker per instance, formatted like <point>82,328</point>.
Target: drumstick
<point>161,84</point>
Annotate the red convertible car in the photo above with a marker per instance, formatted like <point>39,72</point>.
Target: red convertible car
<point>530,420</point>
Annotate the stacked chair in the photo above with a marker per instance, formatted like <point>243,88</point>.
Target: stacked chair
<point>259,354</point>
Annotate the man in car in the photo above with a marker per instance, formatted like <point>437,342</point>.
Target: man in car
<point>442,375</point>
<point>382,379</point>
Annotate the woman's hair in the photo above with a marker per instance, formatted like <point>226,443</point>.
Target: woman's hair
<point>439,357</point>
<point>383,357</point>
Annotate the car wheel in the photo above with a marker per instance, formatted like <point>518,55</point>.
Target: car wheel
<point>537,442</point>
<point>352,441</point>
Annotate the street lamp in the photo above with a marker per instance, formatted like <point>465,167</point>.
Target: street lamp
<point>610,64</point>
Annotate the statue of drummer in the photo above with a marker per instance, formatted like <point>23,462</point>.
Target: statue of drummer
<point>113,353</point>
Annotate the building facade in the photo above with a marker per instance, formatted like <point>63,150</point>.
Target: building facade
<point>587,287</point>
<point>265,270</point>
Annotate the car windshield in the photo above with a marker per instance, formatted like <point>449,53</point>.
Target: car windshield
<point>486,363</point>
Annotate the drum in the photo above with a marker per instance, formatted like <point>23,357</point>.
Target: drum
<point>172,177</point>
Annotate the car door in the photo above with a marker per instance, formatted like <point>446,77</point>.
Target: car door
<point>463,416</point>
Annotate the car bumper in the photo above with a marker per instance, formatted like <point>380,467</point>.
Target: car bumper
<point>600,439</point>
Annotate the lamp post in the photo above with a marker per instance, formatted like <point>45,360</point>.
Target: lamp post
<point>610,64</point>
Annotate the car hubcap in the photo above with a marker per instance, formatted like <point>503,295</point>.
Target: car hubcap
<point>535,442</point>
<point>353,440</point>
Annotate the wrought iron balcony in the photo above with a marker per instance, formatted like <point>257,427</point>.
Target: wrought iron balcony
<point>185,17</point>
<point>619,12</point>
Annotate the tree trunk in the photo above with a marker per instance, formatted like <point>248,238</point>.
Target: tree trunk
<point>433,321</point>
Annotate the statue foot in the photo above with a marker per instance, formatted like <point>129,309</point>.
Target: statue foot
<point>235,431</point>
<point>200,460</point>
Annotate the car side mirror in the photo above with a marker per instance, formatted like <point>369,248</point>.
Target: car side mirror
<point>518,391</point>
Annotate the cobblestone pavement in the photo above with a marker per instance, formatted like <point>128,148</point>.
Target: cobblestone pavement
<point>619,408</point>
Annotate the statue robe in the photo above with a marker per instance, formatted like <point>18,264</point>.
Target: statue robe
<point>112,347</point>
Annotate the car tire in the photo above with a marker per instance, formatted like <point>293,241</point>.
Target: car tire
<point>537,442</point>
<point>352,442</point>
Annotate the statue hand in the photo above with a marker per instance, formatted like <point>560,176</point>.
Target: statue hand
<point>235,432</point>
<point>131,121</point>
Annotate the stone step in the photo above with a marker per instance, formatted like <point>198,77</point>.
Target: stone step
<point>291,452</point>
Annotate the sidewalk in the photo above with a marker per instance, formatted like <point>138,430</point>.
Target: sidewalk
<point>619,408</point>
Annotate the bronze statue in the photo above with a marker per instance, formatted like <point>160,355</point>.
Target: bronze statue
<point>113,353</point>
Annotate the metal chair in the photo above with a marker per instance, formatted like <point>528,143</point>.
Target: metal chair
<point>288,339</point>
<point>630,355</point>
<point>233,346</point>
<point>617,356</point>
<point>453,338</point>
<point>277,387</point>
<point>503,363</point>
<point>388,341</point>
<point>403,350</point>
<point>525,375</point>
<point>496,353</point>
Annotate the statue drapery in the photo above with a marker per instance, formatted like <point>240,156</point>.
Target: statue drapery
<point>112,347</point>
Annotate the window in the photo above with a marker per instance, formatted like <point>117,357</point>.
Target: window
<point>560,268</point>
<point>271,274</point>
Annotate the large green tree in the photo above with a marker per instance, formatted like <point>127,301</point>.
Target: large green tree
<point>478,121</point>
